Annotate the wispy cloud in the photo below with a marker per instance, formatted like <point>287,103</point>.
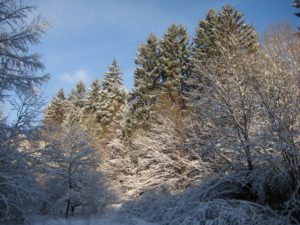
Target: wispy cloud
<point>76,76</point>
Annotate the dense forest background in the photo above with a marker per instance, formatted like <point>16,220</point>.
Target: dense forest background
<point>209,134</point>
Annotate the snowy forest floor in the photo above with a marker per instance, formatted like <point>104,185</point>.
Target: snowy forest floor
<point>108,220</point>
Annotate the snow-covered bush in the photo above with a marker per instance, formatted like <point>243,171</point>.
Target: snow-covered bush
<point>218,201</point>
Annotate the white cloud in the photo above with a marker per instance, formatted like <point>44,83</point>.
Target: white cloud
<point>76,76</point>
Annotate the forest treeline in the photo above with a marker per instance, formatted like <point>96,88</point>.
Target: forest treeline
<point>209,132</point>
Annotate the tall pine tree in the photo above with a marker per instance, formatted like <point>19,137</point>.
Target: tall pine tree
<point>146,75</point>
<point>146,86</point>
<point>56,111</point>
<point>88,118</point>
<point>77,95</point>
<point>112,96</point>
<point>146,82</point>
<point>76,103</point>
<point>92,97</point>
<point>221,31</point>
<point>174,62</point>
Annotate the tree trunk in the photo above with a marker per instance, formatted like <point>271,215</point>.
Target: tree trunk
<point>67,208</point>
<point>249,161</point>
<point>72,210</point>
<point>70,187</point>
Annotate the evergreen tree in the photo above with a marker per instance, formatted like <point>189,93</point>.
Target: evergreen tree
<point>77,95</point>
<point>76,103</point>
<point>93,97</point>
<point>146,82</point>
<point>112,95</point>
<point>89,116</point>
<point>222,31</point>
<point>19,66</point>
<point>146,76</point>
<point>174,61</point>
<point>55,112</point>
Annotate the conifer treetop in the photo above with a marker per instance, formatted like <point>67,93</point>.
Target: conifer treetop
<point>112,76</point>
<point>174,58</point>
<point>224,30</point>
<point>146,75</point>
<point>77,95</point>
<point>55,112</point>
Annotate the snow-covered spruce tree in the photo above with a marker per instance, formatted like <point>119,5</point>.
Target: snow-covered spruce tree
<point>18,78</point>
<point>146,86</point>
<point>174,63</point>
<point>56,111</point>
<point>92,97</point>
<point>223,31</point>
<point>77,95</point>
<point>112,96</point>
<point>89,117</point>
<point>76,103</point>
<point>72,181</point>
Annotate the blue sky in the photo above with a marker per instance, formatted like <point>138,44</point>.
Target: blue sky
<point>85,35</point>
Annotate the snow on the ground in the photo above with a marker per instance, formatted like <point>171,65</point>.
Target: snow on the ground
<point>108,220</point>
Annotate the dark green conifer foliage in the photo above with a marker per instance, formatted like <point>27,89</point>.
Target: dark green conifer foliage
<point>146,75</point>
<point>76,103</point>
<point>174,58</point>
<point>93,97</point>
<point>77,95</point>
<point>146,80</point>
<point>56,111</point>
<point>112,96</point>
<point>222,31</point>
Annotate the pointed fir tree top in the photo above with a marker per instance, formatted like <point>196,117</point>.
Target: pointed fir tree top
<point>147,52</point>
<point>147,71</point>
<point>55,111</point>
<point>113,77</point>
<point>174,54</point>
<point>152,39</point>
<point>60,95</point>
<point>58,98</point>
<point>94,89</point>
<point>174,47</point>
<point>77,95</point>
<point>78,92</point>
<point>233,20</point>
<point>175,42</point>
<point>93,95</point>
<point>175,34</point>
<point>224,30</point>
